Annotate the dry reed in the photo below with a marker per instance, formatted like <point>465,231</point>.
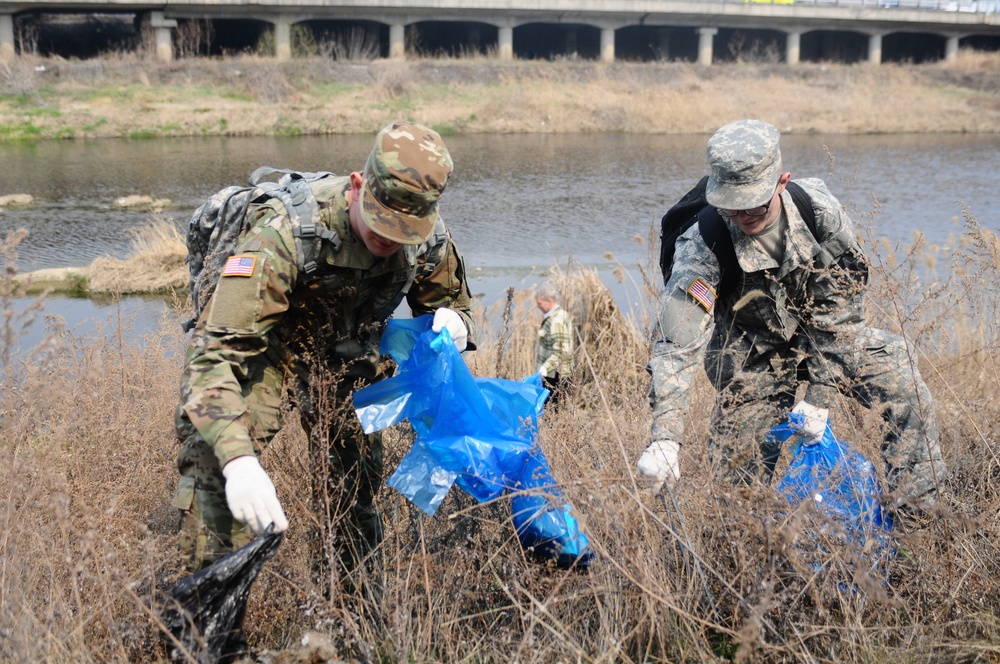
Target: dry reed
<point>706,573</point>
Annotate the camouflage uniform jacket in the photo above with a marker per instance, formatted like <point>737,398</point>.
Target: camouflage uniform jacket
<point>813,302</point>
<point>555,343</point>
<point>272,318</point>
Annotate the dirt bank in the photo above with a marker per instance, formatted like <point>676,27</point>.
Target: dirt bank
<point>45,99</point>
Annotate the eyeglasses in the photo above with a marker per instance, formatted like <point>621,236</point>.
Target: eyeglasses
<point>758,211</point>
<point>752,212</point>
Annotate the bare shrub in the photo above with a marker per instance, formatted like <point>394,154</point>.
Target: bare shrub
<point>18,77</point>
<point>393,80</point>
<point>268,85</point>
<point>358,44</point>
<point>193,37</point>
<point>15,321</point>
<point>756,51</point>
<point>26,32</point>
<point>303,41</point>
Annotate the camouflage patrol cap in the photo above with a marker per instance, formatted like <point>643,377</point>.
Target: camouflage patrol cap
<point>745,162</point>
<point>406,173</point>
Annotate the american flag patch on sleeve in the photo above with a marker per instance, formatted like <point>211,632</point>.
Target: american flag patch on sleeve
<point>702,292</point>
<point>239,265</point>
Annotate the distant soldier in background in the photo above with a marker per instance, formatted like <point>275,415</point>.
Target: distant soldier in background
<point>789,309</point>
<point>554,359</point>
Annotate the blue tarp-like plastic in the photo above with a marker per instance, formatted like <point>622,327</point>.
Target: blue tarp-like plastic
<point>478,433</point>
<point>841,483</point>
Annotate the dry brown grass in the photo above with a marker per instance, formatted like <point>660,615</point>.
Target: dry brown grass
<point>249,95</point>
<point>154,265</point>
<point>707,573</point>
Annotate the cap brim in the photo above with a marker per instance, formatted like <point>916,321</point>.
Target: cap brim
<point>742,195</point>
<point>393,225</point>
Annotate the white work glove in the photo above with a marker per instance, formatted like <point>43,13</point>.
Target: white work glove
<point>251,495</point>
<point>814,421</point>
<point>452,321</point>
<point>659,462</point>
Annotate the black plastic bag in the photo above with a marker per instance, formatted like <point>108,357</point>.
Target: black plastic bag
<point>205,617</point>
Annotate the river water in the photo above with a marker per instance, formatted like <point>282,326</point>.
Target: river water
<point>516,205</point>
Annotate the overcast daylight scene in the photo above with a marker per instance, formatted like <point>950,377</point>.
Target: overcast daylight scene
<point>525,331</point>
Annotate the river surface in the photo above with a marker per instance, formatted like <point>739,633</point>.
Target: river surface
<point>516,205</point>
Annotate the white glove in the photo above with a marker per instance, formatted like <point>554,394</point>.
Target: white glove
<point>452,321</point>
<point>659,462</point>
<point>814,424</point>
<point>251,495</point>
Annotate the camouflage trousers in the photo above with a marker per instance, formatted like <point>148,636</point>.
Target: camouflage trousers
<point>757,390</point>
<point>347,463</point>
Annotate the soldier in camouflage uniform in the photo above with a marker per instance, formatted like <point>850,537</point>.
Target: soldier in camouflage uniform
<point>795,314</point>
<point>268,333</point>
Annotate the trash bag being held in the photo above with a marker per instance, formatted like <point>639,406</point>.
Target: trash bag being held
<point>205,617</point>
<point>478,433</point>
<point>841,484</point>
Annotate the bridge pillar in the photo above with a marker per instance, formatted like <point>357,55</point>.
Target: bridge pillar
<point>505,43</point>
<point>793,48</point>
<point>397,41</point>
<point>162,28</point>
<point>875,49</point>
<point>664,45</point>
<point>607,45</point>
<point>705,36</point>
<point>951,48</point>
<point>7,51</point>
<point>282,38</point>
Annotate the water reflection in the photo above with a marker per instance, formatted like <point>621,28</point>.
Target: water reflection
<point>516,204</point>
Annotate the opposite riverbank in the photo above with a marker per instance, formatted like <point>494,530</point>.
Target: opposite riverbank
<point>119,97</point>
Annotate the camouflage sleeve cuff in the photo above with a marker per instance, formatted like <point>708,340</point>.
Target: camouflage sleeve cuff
<point>823,396</point>
<point>233,441</point>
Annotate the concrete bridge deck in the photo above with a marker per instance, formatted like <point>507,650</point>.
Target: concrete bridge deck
<point>952,20</point>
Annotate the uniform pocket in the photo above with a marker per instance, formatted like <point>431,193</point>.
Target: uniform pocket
<point>184,496</point>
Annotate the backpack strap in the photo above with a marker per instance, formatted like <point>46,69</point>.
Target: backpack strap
<point>294,192</point>
<point>716,235</point>
<point>715,232</point>
<point>804,205</point>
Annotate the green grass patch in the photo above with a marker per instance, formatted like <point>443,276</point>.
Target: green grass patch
<point>95,125</point>
<point>43,112</point>
<point>216,127</point>
<point>20,131</point>
<point>65,133</point>
<point>285,127</point>
<point>444,129</point>
<point>142,134</point>
<point>335,89</point>
<point>120,93</point>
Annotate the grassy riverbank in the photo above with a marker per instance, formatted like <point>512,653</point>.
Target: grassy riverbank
<point>129,97</point>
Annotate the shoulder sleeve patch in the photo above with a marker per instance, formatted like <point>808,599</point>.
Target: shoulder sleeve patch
<point>702,293</point>
<point>240,265</point>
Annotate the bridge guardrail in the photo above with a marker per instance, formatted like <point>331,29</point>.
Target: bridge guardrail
<point>965,6</point>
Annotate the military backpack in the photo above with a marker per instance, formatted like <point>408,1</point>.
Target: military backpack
<point>217,226</point>
<point>693,207</point>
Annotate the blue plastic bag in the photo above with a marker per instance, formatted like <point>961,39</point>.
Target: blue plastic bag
<point>841,483</point>
<point>478,433</point>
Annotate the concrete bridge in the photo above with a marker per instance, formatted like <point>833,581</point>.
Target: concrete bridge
<point>615,21</point>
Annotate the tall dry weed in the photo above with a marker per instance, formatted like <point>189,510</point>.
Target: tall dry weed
<point>707,572</point>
